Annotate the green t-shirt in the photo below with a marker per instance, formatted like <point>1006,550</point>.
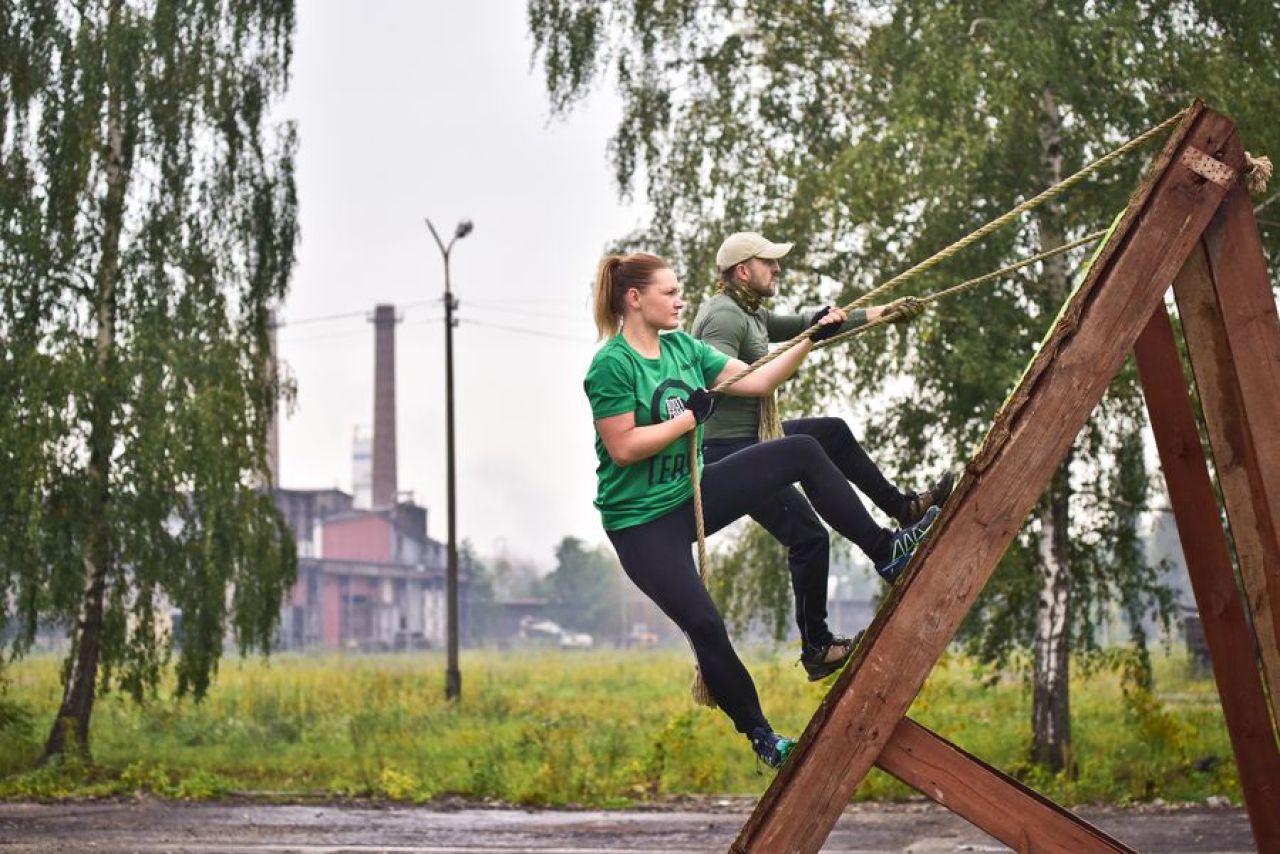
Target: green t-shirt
<point>621,380</point>
<point>744,335</point>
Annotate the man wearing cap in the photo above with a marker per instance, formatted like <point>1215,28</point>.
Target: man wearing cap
<point>736,322</point>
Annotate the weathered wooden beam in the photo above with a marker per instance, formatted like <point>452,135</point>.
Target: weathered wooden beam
<point>1239,268</point>
<point>989,799</point>
<point>1204,545</point>
<point>1032,433</point>
<point>1234,453</point>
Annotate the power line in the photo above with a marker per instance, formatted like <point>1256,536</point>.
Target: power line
<point>352,333</point>
<point>523,331</point>
<point>327,336</point>
<point>324,318</point>
<point>524,312</point>
<point>500,308</point>
<point>282,323</point>
<point>538,300</point>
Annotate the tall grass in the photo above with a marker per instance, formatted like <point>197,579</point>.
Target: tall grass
<point>601,728</point>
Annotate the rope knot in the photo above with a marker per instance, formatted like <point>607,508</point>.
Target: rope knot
<point>1259,172</point>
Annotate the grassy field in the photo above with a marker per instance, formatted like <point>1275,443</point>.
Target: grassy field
<point>599,728</point>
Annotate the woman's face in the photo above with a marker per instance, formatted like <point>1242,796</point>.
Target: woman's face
<point>660,303</point>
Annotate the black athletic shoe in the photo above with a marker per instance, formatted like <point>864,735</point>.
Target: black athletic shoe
<point>821,661</point>
<point>773,749</point>
<point>935,496</point>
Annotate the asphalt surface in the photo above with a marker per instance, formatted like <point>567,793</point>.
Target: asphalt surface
<point>151,825</point>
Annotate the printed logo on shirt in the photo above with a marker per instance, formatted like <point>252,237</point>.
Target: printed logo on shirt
<point>668,400</point>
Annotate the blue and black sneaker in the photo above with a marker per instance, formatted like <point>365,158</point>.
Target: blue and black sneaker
<point>773,749</point>
<point>903,545</point>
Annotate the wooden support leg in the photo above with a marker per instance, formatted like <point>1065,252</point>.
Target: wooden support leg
<point>1233,335</point>
<point>1235,457</point>
<point>992,801</point>
<point>1204,544</point>
<point>1253,331</point>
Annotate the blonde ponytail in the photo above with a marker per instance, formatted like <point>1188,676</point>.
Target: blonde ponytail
<point>608,316</point>
<point>616,275</point>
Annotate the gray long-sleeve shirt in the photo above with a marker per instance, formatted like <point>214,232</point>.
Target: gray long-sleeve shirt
<point>744,335</point>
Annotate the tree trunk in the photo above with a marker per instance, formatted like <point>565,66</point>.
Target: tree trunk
<point>71,726</point>
<point>1050,711</point>
<point>1050,707</point>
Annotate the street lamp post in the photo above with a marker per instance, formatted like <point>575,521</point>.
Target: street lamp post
<point>452,675</point>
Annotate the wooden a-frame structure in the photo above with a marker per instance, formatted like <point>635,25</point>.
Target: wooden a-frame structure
<point>1190,225</point>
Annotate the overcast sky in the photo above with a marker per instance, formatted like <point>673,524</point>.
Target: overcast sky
<point>412,109</point>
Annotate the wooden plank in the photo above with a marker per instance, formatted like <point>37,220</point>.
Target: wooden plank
<point>1248,307</point>
<point>1204,545</point>
<point>1234,454</point>
<point>1032,433</point>
<point>986,797</point>
<point>1248,314</point>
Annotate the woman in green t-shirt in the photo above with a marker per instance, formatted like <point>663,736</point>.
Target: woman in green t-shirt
<point>648,387</point>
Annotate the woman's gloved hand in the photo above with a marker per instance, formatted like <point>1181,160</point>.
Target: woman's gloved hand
<point>701,403</point>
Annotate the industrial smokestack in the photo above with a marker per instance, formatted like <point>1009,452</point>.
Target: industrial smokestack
<point>384,406</point>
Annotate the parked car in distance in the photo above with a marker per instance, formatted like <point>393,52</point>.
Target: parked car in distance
<point>546,632</point>
<point>576,640</point>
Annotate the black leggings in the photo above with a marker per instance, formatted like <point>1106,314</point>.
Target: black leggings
<point>788,517</point>
<point>656,555</point>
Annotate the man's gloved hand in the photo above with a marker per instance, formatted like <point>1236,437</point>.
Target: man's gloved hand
<point>903,310</point>
<point>701,403</point>
<point>822,333</point>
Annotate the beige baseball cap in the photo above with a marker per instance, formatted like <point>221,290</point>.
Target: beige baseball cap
<point>745,245</point>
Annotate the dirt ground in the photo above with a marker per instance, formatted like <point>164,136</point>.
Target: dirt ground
<point>150,825</point>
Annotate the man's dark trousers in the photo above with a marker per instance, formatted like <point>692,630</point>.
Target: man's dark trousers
<point>787,516</point>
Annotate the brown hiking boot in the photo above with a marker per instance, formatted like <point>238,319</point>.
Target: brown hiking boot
<point>935,496</point>
<point>821,661</point>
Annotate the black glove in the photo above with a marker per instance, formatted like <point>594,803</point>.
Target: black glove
<point>822,333</point>
<point>903,310</point>
<point>701,403</point>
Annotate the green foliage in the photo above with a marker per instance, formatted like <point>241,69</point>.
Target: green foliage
<point>16,721</point>
<point>875,134</point>
<point>584,590</point>
<point>480,611</point>
<point>147,225</point>
<point>598,728</point>
<point>65,775</point>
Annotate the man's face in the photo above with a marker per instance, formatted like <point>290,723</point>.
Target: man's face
<point>761,275</point>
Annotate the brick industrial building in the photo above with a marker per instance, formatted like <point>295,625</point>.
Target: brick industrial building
<point>369,577</point>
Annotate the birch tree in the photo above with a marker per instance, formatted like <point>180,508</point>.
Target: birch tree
<point>147,226</point>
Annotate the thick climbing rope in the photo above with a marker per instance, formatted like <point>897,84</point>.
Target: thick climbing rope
<point>968,285</point>
<point>770,421</point>
<point>964,242</point>
<point>698,690</point>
